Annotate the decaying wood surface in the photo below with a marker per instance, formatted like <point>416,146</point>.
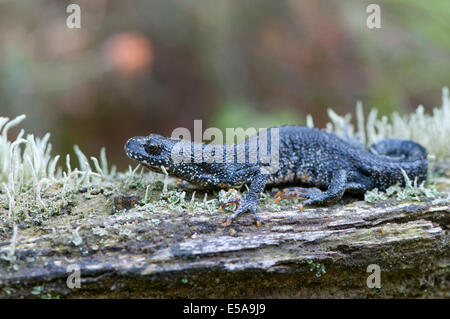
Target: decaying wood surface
<point>320,252</point>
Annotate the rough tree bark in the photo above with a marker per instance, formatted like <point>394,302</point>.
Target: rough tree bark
<point>320,252</point>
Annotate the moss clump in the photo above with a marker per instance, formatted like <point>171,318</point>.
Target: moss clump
<point>411,192</point>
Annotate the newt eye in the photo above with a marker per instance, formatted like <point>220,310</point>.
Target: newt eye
<point>152,148</point>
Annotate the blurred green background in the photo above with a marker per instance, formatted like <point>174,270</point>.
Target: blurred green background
<point>140,67</point>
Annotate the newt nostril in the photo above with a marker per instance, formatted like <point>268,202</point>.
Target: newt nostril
<point>128,143</point>
<point>132,145</point>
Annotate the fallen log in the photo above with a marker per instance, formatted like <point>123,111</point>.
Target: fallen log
<point>318,252</point>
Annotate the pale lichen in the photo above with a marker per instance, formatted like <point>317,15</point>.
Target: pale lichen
<point>412,191</point>
<point>430,130</point>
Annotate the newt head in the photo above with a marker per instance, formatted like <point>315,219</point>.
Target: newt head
<point>152,151</point>
<point>184,159</point>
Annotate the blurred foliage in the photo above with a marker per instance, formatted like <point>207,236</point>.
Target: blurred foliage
<point>408,56</point>
<point>155,65</point>
<point>242,115</point>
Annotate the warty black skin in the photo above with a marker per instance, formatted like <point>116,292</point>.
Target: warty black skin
<point>307,157</point>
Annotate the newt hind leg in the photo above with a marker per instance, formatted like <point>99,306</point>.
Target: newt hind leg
<point>335,191</point>
<point>315,196</point>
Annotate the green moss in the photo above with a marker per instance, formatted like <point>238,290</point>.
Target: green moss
<point>411,192</point>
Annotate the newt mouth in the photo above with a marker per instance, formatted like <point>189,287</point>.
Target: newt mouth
<point>135,150</point>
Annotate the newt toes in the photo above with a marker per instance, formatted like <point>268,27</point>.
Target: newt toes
<point>237,200</point>
<point>306,157</point>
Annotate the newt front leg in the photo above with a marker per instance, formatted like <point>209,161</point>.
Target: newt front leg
<point>250,202</point>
